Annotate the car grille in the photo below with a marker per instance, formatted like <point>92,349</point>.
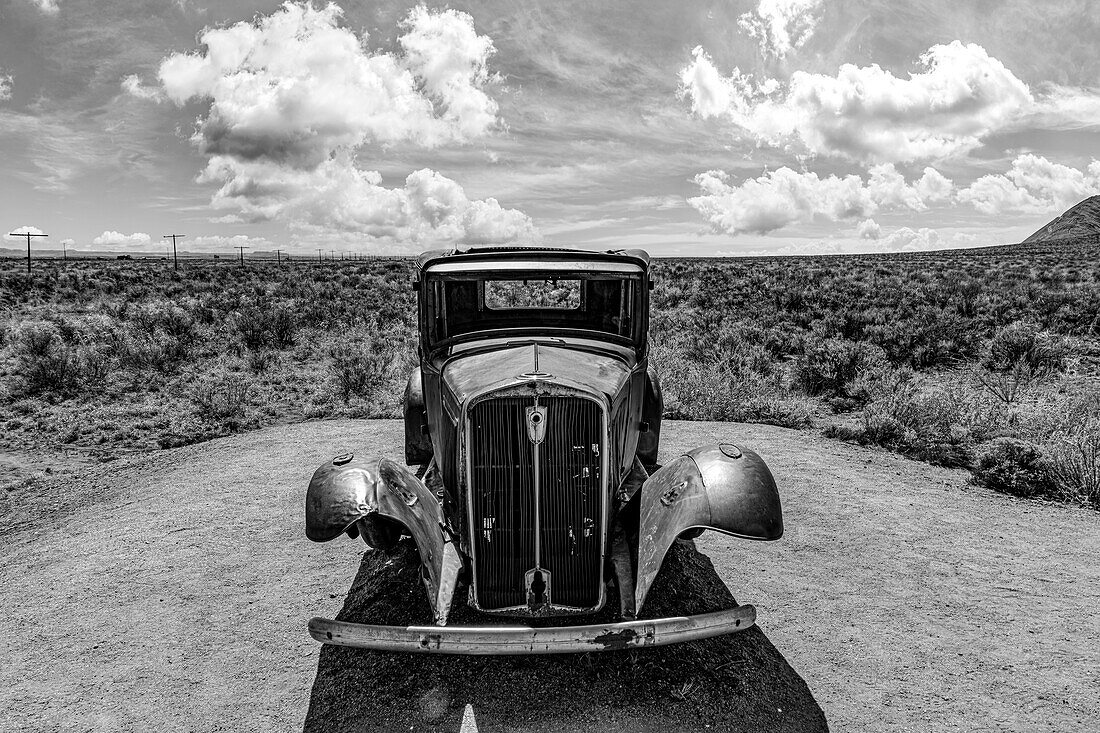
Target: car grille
<point>502,489</point>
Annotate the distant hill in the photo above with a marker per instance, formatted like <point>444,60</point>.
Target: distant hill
<point>1078,222</point>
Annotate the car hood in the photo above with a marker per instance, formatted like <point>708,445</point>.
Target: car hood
<point>588,366</point>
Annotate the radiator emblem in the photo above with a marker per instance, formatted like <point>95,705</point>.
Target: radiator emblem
<point>536,424</point>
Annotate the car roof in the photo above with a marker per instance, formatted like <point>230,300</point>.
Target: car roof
<point>488,255</point>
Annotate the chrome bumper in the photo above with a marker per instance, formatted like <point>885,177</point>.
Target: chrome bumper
<point>484,640</point>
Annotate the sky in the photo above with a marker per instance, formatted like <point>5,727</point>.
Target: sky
<point>685,128</point>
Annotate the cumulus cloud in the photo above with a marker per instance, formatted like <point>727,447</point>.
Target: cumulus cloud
<point>111,238</point>
<point>785,196</point>
<point>295,97</point>
<point>905,239</point>
<point>338,196</point>
<point>1033,185</point>
<point>868,229</point>
<point>959,96</point>
<point>295,85</point>
<point>780,26</point>
<point>27,230</point>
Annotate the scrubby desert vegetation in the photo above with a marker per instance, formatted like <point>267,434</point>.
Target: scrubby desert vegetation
<point>984,359</point>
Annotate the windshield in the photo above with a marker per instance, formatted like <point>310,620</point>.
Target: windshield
<point>465,303</point>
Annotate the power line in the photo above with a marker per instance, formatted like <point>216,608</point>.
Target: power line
<point>241,250</point>
<point>174,237</point>
<point>28,235</point>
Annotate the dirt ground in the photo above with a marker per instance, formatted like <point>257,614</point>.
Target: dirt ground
<point>171,591</point>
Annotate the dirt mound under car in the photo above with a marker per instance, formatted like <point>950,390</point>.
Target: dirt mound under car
<point>728,683</point>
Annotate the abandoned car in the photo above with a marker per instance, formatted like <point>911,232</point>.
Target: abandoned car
<point>534,419</point>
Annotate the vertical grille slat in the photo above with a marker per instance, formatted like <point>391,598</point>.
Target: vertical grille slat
<point>502,485</point>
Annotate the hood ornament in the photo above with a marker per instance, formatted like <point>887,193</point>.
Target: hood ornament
<point>536,374</point>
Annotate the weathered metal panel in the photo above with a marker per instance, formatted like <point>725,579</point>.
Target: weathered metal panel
<point>499,640</point>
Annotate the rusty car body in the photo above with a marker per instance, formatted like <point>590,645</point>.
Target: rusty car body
<point>534,422</point>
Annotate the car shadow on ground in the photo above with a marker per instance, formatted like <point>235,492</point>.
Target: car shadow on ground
<point>738,682</point>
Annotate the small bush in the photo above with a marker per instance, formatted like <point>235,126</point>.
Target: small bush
<point>284,325</point>
<point>261,361</point>
<point>1025,344</point>
<point>1067,427</point>
<point>833,367</point>
<point>357,368</point>
<point>940,425</point>
<point>43,359</point>
<point>716,392</point>
<point>251,325</point>
<point>1014,467</point>
<point>222,399</point>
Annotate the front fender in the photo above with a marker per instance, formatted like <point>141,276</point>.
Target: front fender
<point>343,493</point>
<point>720,487</point>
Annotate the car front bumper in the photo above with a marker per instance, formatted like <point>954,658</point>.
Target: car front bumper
<point>502,640</point>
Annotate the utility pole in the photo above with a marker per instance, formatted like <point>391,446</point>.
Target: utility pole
<point>174,237</point>
<point>332,254</point>
<point>28,235</point>
<point>278,255</point>
<point>241,250</point>
<point>318,254</point>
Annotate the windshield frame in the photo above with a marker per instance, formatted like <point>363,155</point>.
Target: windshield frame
<point>534,270</point>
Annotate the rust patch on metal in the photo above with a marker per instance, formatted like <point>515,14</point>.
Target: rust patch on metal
<point>616,639</point>
<point>673,493</point>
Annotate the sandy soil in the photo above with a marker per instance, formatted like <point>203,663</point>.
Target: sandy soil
<point>170,591</point>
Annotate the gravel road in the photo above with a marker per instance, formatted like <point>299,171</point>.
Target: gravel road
<point>170,591</point>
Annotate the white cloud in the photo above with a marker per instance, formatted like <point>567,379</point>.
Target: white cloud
<point>132,85</point>
<point>118,239</point>
<point>784,196</point>
<point>219,243</point>
<point>868,229</point>
<point>446,55</point>
<point>27,230</point>
<point>781,26</point>
<point>959,96</point>
<point>49,7</point>
<point>294,97</point>
<point>904,239</point>
<point>294,85</point>
<point>338,196</point>
<point>68,241</point>
<point>1032,185</point>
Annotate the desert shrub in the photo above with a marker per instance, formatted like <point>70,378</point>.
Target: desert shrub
<point>251,326</point>
<point>43,359</point>
<point>1025,343</point>
<point>95,363</point>
<point>222,399</point>
<point>261,361</point>
<point>1013,466</point>
<point>1067,427</point>
<point>157,350</point>
<point>283,325</point>
<point>357,366</point>
<point>1019,357</point>
<point>939,424</point>
<point>716,391</point>
<point>833,366</point>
